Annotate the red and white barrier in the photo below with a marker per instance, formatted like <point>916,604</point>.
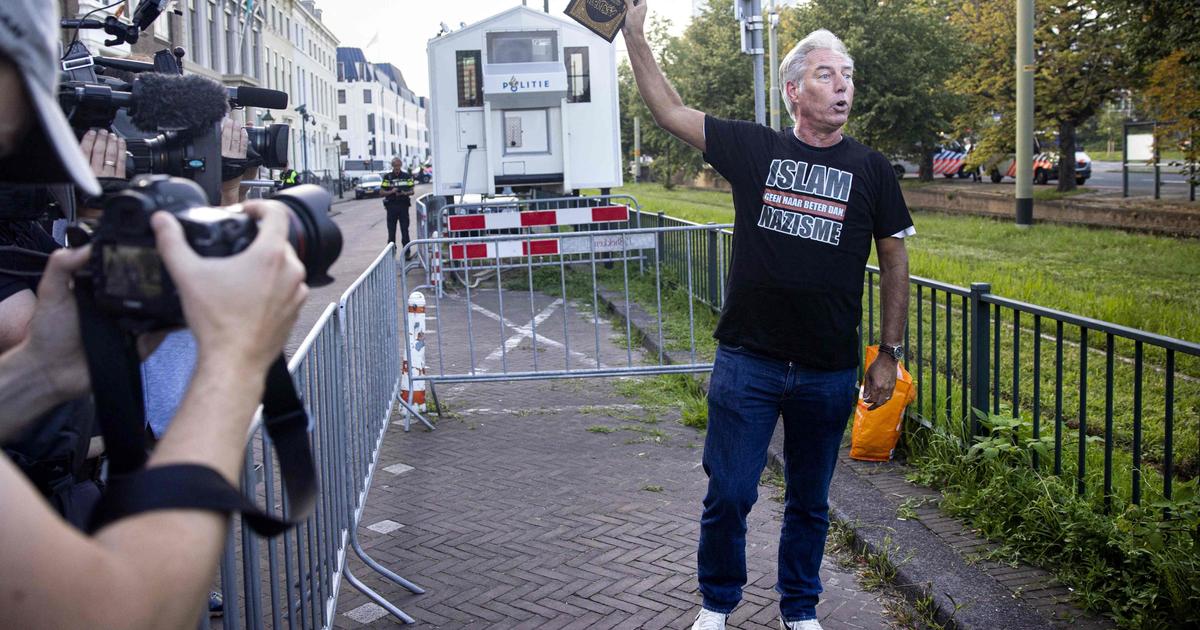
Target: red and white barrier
<point>415,356</point>
<point>537,218</point>
<point>576,244</point>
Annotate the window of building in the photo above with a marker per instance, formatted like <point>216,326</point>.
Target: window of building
<point>341,122</point>
<point>366,96</point>
<point>370,123</point>
<point>579,80</point>
<point>522,46</point>
<point>232,50</point>
<point>197,33</point>
<point>470,79</point>
<point>214,38</point>
<point>393,148</point>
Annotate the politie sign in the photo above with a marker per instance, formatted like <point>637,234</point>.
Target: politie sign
<point>524,83</point>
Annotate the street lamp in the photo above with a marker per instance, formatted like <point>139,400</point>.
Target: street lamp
<point>304,119</point>
<point>337,139</point>
<point>265,119</point>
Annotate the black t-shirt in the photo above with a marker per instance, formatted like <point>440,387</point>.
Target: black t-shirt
<point>803,224</point>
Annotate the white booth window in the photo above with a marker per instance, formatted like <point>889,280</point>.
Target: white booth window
<point>470,79</point>
<point>522,46</point>
<point>579,81</point>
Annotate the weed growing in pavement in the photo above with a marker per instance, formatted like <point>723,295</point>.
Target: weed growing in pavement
<point>670,391</point>
<point>599,428</point>
<point>652,488</point>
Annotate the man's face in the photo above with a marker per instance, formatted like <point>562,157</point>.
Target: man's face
<point>825,93</point>
<point>396,165</point>
<point>17,118</point>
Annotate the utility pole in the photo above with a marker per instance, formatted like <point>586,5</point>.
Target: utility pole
<point>773,64</point>
<point>749,13</point>
<point>1025,69</point>
<point>303,111</point>
<point>637,148</point>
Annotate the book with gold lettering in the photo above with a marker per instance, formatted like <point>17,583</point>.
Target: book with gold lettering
<point>602,17</point>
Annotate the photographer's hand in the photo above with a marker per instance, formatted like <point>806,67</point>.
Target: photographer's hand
<point>240,308</point>
<point>234,140</point>
<point>105,151</point>
<point>48,366</point>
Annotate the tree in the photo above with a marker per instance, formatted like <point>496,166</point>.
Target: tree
<point>1081,63</point>
<point>904,53</point>
<point>1165,39</point>
<point>1175,97</point>
<point>1080,59</point>
<point>707,68</point>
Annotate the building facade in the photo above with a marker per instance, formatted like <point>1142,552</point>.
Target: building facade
<point>379,117</point>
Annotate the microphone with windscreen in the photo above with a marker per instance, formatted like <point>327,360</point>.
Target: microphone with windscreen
<point>166,102</point>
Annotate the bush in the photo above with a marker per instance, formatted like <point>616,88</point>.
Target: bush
<point>1137,565</point>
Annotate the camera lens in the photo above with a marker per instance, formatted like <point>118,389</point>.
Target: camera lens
<point>270,144</point>
<point>315,237</point>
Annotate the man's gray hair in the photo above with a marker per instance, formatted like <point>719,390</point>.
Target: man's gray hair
<point>795,63</point>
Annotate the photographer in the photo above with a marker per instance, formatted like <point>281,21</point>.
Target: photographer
<point>131,574</point>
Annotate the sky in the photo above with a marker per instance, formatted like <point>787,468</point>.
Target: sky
<point>400,28</point>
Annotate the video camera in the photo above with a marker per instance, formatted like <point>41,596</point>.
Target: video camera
<point>171,122</point>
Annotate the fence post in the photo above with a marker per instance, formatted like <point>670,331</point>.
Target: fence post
<point>980,347</point>
<point>661,238</point>
<point>714,274</point>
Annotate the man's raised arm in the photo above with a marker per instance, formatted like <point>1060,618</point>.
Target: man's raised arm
<point>665,105</point>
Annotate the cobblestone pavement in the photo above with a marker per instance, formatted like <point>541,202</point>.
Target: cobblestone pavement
<point>545,504</point>
<point>558,504</point>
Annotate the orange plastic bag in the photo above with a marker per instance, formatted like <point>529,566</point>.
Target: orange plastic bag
<point>875,433</point>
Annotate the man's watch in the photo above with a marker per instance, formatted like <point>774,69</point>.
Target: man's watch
<point>895,351</point>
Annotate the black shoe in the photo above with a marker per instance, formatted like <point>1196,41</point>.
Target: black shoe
<point>216,604</point>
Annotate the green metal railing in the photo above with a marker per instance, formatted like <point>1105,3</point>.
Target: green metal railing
<point>975,350</point>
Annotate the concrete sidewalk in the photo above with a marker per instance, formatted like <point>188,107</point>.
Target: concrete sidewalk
<point>548,504</point>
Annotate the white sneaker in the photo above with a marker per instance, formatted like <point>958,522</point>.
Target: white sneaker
<point>709,620</point>
<point>807,624</point>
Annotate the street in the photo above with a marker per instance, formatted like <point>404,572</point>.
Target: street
<point>1106,179</point>
<point>363,237</point>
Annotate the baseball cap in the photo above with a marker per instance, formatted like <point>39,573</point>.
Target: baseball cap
<point>29,35</point>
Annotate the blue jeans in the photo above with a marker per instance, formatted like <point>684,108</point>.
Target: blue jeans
<point>745,398</point>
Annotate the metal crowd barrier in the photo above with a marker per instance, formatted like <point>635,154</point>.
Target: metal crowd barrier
<point>530,325</point>
<point>347,372</point>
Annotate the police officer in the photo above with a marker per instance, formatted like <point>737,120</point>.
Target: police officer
<point>289,178</point>
<point>397,190</point>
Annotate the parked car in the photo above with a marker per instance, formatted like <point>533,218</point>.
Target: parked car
<point>948,161</point>
<point>368,186</point>
<point>1045,167</point>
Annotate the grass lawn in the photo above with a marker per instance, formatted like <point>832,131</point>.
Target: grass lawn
<point>1141,281</point>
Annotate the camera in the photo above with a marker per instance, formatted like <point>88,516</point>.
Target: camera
<point>128,278</point>
<point>270,144</point>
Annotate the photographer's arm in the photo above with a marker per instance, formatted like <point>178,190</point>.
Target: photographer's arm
<point>660,97</point>
<point>47,366</point>
<point>152,570</point>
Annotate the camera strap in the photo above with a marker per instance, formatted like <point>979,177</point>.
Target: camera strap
<point>132,488</point>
